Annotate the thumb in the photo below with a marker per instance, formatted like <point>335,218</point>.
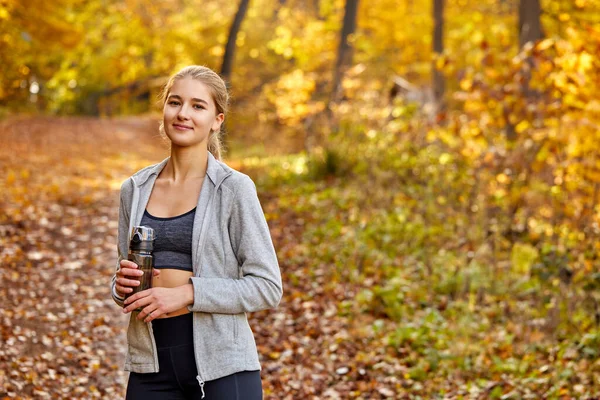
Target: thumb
<point>155,272</point>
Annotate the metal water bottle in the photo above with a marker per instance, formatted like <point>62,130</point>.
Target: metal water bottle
<point>141,246</point>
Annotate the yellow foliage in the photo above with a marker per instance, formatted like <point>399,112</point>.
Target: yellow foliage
<point>290,96</point>
<point>522,126</point>
<point>10,177</point>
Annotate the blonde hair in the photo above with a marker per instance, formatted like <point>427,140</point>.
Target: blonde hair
<point>219,94</point>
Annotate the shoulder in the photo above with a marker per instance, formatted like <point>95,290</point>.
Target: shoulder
<point>240,182</point>
<point>147,169</point>
<point>140,176</point>
<point>236,181</point>
<point>143,174</point>
<point>126,187</point>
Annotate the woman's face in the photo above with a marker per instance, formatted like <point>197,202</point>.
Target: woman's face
<point>189,114</point>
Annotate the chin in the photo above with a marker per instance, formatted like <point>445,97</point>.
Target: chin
<point>184,143</point>
<point>181,143</point>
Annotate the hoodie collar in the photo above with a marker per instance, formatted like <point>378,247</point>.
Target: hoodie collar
<point>215,170</point>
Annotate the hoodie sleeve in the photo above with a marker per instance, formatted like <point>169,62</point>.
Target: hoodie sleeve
<point>122,236</point>
<point>260,284</point>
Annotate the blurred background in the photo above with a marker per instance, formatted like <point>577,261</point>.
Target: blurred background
<point>429,170</point>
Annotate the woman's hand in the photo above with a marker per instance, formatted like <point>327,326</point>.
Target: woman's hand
<point>128,277</point>
<point>159,301</point>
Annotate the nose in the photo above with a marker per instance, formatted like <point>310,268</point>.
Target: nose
<point>183,113</point>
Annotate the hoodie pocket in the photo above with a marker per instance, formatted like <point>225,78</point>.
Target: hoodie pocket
<point>235,321</point>
<point>223,327</point>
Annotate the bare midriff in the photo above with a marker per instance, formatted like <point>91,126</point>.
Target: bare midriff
<point>171,278</point>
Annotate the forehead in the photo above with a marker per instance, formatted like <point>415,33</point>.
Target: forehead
<point>188,88</point>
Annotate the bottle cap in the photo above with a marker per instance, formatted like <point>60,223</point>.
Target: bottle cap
<point>142,238</point>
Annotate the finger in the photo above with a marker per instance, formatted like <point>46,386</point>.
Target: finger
<point>128,264</point>
<point>127,282</point>
<point>123,290</point>
<point>147,310</point>
<point>140,299</point>
<point>154,315</point>
<point>146,313</point>
<point>130,272</point>
<point>155,272</point>
<point>134,306</point>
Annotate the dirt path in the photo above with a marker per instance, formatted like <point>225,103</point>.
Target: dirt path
<point>61,335</point>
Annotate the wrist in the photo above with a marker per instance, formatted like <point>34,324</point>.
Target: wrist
<point>189,294</point>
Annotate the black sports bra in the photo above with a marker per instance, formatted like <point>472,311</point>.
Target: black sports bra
<point>173,243</point>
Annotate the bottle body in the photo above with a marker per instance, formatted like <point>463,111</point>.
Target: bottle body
<point>140,252</point>
<point>145,264</point>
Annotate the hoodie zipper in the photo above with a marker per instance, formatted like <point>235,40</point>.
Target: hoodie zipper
<point>201,383</point>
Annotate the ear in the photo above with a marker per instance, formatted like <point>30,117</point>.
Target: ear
<point>218,121</point>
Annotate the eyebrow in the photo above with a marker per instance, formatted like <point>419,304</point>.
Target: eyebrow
<point>194,99</point>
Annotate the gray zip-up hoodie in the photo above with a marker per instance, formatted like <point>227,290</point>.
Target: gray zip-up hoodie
<point>235,271</point>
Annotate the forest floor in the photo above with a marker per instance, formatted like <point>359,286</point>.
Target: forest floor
<point>61,335</point>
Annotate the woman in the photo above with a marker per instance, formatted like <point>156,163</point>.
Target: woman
<point>214,258</point>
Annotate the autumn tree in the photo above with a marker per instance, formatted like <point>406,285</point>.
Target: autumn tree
<point>438,48</point>
<point>530,27</point>
<point>345,49</point>
<point>229,55</point>
<point>530,30</point>
<point>32,35</point>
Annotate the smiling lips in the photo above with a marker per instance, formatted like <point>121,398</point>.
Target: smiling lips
<point>182,127</point>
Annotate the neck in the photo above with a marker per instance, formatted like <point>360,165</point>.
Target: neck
<point>185,163</point>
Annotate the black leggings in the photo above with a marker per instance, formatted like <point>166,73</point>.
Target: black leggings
<point>176,379</point>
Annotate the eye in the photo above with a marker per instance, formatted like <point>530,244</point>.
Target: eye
<point>173,103</point>
<point>198,107</point>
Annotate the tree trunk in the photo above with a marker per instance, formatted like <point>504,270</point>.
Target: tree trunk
<point>438,48</point>
<point>530,27</point>
<point>316,6</point>
<point>344,55</point>
<point>530,30</point>
<point>229,55</point>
